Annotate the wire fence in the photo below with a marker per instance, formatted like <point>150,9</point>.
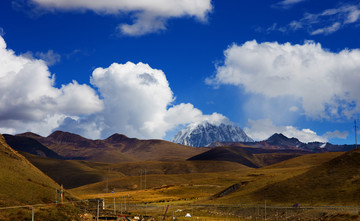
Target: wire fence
<point>115,209</point>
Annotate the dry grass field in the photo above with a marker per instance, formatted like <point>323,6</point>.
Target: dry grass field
<point>194,193</point>
<point>210,190</point>
<point>23,184</point>
<point>200,187</point>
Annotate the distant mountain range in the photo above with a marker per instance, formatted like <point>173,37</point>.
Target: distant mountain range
<point>205,133</point>
<point>119,148</point>
<point>115,149</point>
<point>281,142</point>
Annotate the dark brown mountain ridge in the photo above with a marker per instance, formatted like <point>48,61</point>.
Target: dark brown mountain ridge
<point>114,149</point>
<point>30,145</point>
<point>279,142</point>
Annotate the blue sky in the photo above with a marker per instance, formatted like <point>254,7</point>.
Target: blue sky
<point>148,68</point>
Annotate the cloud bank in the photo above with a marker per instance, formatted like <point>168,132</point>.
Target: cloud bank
<point>138,101</point>
<point>148,16</point>
<point>133,99</point>
<point>29,100</point>
<point>322,83</point>
<point>262,129</point>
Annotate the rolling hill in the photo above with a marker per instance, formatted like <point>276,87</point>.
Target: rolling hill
<point>76,173</point>
<point>70,173</point>
<point>21,182</point>
<point>29,145</point>
<point>336,182</point>
<point>253,182</point>
<point>205,185</point>
<point>232,154</point>
<point>248,156</point>
<point>115,149</point>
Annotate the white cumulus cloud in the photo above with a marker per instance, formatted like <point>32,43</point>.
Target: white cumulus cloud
<point>133,99</point>
<point>148,16</point>
<point>323,84</point>
<point>29,100</point>
<point>138,102</point>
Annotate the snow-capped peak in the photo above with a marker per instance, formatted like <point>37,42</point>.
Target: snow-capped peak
<point>203,133</point>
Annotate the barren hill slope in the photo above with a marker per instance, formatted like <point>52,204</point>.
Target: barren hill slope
<point>29,145</point>
<point>115,149</point>
<point>21,182</point>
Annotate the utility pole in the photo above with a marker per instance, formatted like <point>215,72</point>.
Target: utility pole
<point>145,179</point>
<point>125,203</point>
<point>140,179</point>
<point>107,184</point>
<point>97,211</point>
<point>62,194</point>
<point>121,205</point>
<point>265,211</point>
<point>56,195</point>
<point>114,207</point>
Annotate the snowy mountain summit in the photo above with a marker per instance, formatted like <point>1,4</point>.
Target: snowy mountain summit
<point>204,133</point>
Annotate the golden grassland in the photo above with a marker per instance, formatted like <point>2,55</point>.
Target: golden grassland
<point>200,187</point>
<point>21,182</point>
<point>313,179</point>
<point>76,173</point>
<point>192,192</point>
<point>335,182</point>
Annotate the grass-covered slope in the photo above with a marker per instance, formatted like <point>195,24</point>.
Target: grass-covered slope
<point>202,186</point>
<point>76,173</point>
<point>317,179</point>
<point>227,153</point>
<point>251,157</point>
<point>163,186</point>
<point>22,183</point>
<point>334,182</point>
<point>265,177</point>
<point>70,173</point>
